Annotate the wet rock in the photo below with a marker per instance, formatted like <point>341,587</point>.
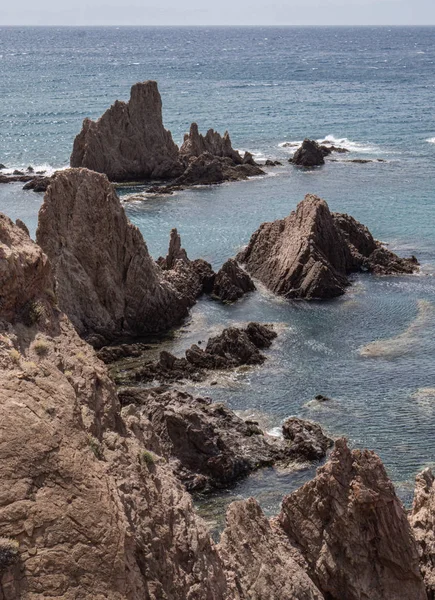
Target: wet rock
<point>422,520</point>
<point>328,149</point>
<point>38,184</point>
<point>308,439</point>
<point>234,347</point>
<point>352,530</point>
<point>208,444</point>
<point>272,163</point>
<point>321,398</point>
<point>310,253</point>
<point>259,560</point>
<point>107,282</point>
<point>231,282</point>
<point>109,354</point>
<point>308,155</point>
<point>14,178</point>
<point>129,142</point>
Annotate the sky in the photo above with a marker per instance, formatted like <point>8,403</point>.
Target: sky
<point>220,12</point>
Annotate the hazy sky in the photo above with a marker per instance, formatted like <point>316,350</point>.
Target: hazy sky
<point>218,12</point>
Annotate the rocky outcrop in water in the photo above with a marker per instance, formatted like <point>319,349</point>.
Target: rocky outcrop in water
<point>310,154</point>
<point>212,143</point>
<point>310,253</point>
<point>88,508</point>
<point>231,282</point>
<point>352,530</point>
<point>232,348</point>
<point>259,559</point>
<point>106,281</point>
<point>128,142</point>
<point>422,519</point>
<point>308,439</point>
<point>208,445</point>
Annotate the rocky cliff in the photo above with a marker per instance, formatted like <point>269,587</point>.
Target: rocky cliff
<point>128,142</point>
<point>88,510</point>
<point>106,281</point>
<point>310,253</point>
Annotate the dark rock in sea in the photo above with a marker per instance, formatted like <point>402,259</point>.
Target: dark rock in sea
<point>310,253</point>
<point>327,150</point>
<point>129,142</point>
<point>272,163</point>
<point>232,348</point>
<point>107,283</point>
<point>352,530</point>
<point>30,169</point>
<point>17,172</point>
<point>308,155</point>
<point>2,166</point>
<point>231,282</point>
<point>38,184</point>
<point>321,398</point>
<point>208,444</point>
<point>308,439</point>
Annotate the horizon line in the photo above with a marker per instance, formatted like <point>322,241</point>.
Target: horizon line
<point>219,26</point>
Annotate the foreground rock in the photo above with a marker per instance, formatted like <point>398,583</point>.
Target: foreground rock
<point>352,530</point>
<point>310,154</point>
<point>129,141</point>
<point>207,444</point>
<point>233,348</point>
<point>311,253</point>
<point>259,559</point>
<point>422,519</point>
<point>107,283</point>
<point>231,282</point>
<point>88,509</point>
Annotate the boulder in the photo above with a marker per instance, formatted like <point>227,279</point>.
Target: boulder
<point>106,281</point>
<point>352,530</point>
<point>129,142</point>
<point>208,445</point>
<point>309,154</point>
<point>38,184</point>
<point>308,439</point>
<point>231,282</point>
<point>310,253</point>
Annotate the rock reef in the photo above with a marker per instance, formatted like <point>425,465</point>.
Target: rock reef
<point>311,253</point>
<point>310,154</point>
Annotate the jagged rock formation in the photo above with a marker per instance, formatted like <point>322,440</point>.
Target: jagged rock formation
<point>308,439</point>
<point>422,519</point>
<point>207,444</point>
<point>232,348</point>
<point>310,253</point>
<point>107,283</point>
<point>310,154</point>
<point>352,530</point>
<point>260,561</point>
<point>128,142</point>
<point>212,143</point>
<point>94,510</point>
<point>231,282</point>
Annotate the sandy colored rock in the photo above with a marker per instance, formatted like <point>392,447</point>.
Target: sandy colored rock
<point>95,511</point>
<point>310,253</point>
<point>107,283</point>
<point>260,562</point>
<point>352,530</point>
<point>128,142</point>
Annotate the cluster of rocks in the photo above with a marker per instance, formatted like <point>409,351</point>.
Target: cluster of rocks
<point>312,154</point>
<point>38,182</point>
<point>90,506</point>
<point>232,348</point>
<point>311,253</point>
<point>129,143</point>
<point>209,446</point>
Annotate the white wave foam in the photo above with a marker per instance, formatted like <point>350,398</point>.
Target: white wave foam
<point>363,148</point>
<point>44,168</point>
<point>431,140</point>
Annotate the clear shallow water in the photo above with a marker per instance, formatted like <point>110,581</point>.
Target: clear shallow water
<point>372,87</point>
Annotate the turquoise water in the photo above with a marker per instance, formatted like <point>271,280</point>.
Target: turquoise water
<point>371,88</point>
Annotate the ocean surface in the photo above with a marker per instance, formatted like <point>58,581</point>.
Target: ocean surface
<point>368,89</point>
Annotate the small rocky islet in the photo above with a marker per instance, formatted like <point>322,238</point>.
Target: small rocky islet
<point>95,500</point>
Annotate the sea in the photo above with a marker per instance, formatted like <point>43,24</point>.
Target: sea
<point>370,90</point>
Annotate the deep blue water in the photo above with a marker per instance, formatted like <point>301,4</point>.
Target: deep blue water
<point>372,88</point>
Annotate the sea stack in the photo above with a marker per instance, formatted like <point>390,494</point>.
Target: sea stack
<point>311,253</point>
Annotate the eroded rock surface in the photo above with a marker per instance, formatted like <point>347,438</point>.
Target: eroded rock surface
<point>107,283</point>
<point>129,142</point>
<point>310,253</point>
<point>308,439</point>
<point>95,512</point>
<point>208,444</point>
<point>231,282</point>
<point>353,531</point>
<point>212,143</point>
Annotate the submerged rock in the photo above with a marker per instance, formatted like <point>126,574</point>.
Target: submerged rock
<point>129,141</point>
<point>208,444</point>
<point>352,530</point>
<point>107,283</point>
<point>310,154</point>
<point>310,253</point>
<point>231,282</point>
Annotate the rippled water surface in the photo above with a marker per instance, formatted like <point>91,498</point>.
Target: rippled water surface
<point>371,351</point>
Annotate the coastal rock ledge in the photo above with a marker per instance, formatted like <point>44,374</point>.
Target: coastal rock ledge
<point>311,253</point>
